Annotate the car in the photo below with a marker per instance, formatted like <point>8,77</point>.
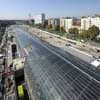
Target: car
<point>98,50</point>
<point>83,41</point>
<point>50,37</point>
<point>68,44</point>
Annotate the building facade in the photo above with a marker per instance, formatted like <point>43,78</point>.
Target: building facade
<point>69,22</point>
<point>66,23</point>
<point>87,22</point>
<point>54,22</point>
<point>51,21</point>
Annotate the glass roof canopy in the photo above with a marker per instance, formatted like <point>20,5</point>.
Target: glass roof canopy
<point>54,79</point>
<point>51,77</point>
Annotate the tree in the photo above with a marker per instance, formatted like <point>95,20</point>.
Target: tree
<point>39,25</point>
<point>57,28</point>
<point>50,26</point>
<point>45,24</point>
<point>73,31</point>
<point>62,30</point>
<point>84,35</point>
<point>93,32</point>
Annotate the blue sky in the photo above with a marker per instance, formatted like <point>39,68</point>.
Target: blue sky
<point>10,9</point>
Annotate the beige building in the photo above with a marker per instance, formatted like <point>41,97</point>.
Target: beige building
<point>69,22</point>
<point>87,22</point>
<point>66,23</point>
<point>54,22</point>
<point>50,21</point>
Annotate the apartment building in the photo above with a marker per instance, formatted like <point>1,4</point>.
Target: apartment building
<point>51,21</point>
<point>54,22</point>
<point>69,22</point>
<point>66,23</point>
<point>87,22</point>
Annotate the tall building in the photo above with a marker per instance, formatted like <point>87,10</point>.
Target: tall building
<point>87,22</point>
<point>43,18</point>
<point>39,18</point>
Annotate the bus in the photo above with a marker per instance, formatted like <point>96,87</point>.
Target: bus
<point>20,92</point>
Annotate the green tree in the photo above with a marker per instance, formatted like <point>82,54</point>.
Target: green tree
<point>84,35</point>
<point>62,30</point>
<point>50,27</point>
<point>73,31</point>
<point>93,32</point>
<point>57,28</point>
<point>45,24</point>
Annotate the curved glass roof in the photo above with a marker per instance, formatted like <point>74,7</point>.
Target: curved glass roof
<point>53,76</point>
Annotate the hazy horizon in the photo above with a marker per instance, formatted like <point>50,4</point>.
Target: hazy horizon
<point>20,9</point>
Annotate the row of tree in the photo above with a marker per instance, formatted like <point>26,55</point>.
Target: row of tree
<point>89,34</point>
<point>73,33</point>
<point>57,28</point>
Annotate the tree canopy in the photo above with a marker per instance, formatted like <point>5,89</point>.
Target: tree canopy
<point>62,30</point>
<point>91,33</point>
<point>73,31</point>
<point>57,28</point>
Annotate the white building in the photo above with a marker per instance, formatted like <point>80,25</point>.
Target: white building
<point>68,23</point>
<point>39,18</point>
<point>51,21</point>
<point>54,22</point>
<point>87,22</point>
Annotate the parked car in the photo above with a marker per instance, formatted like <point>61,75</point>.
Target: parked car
<point>68,44</point>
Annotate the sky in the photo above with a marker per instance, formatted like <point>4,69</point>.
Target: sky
<point>19,9</point>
